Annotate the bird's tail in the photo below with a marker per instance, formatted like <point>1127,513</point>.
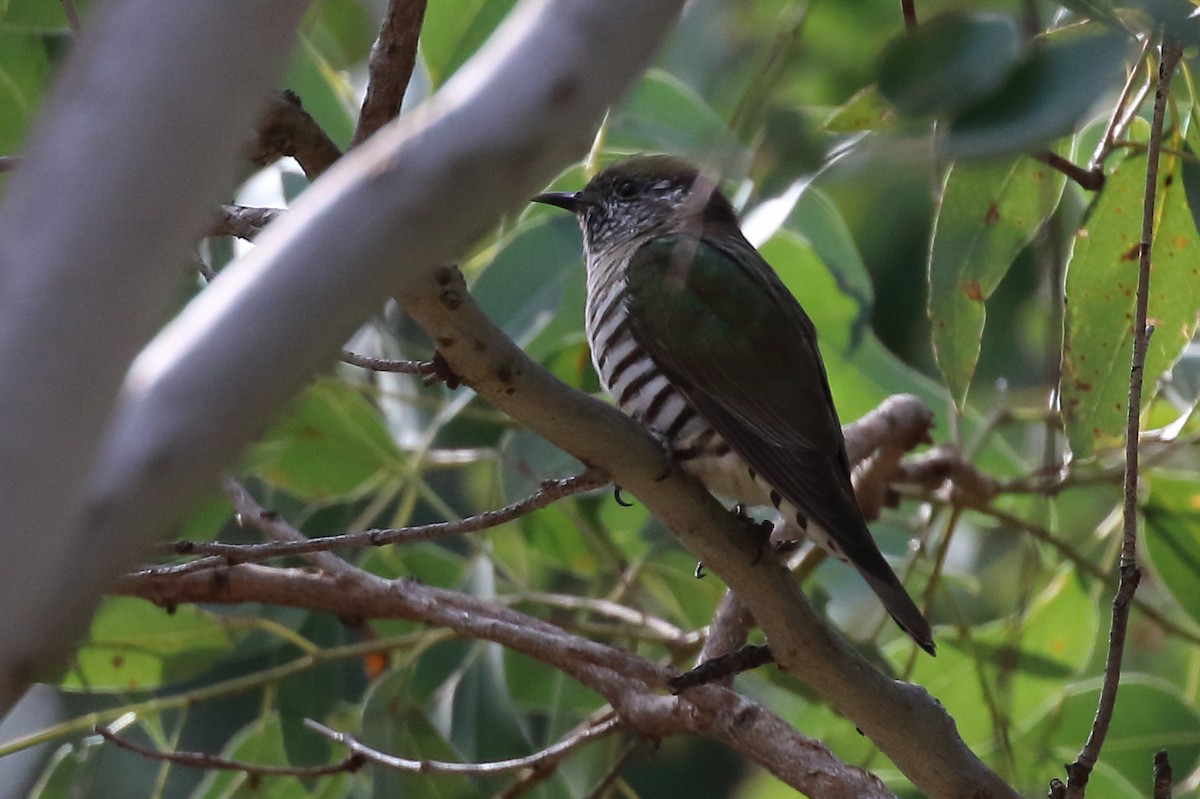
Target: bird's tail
<point>898,603</point>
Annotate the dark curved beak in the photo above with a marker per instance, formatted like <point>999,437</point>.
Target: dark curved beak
<point>567,200</point>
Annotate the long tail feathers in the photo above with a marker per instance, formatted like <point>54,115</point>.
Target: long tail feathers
<point>903,610</point>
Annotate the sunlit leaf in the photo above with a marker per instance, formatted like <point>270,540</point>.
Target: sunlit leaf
<point>323,91</point>
<point>329,443</point>
<point>1101,284</point>
<point>452,32</point>
<point>988,213</point>
<point>24,71</point>
<point>866,110</point>
<point>1023,670</point>
<point>133,645</point>
<point>861,371</point>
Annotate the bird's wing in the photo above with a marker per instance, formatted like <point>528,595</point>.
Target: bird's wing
<point>720,324</point>
<point>725,330</point>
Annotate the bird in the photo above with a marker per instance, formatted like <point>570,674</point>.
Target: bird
<point>694,335</point>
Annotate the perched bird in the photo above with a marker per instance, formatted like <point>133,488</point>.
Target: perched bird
<point>694,334</point>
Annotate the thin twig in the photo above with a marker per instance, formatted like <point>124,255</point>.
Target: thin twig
<point>1087,567</point>
<point>1091,179</point>
<point>1079,771</point>
<point>554,752</point>
<point>392,60</point>
<point>1123,111</point>
<point>68,7</point>
<point>389,364</point>
<point>615,770</point>
<point>219,554</point>
<point>908,9</point>
<point>201,760</point>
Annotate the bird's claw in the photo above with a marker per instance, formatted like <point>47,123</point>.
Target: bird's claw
<point>618,498</point>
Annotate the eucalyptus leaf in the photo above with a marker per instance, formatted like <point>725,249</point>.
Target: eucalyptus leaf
<point>948,63</point>
<point>1043,98</point>
<point>1172,512</point>
<point>133,645</point>
<point>1101,284</point>
<point>988,213</point>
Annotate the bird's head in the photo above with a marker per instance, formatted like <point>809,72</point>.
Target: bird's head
<point>643,196</point>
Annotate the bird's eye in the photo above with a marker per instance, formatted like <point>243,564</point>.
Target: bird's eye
<point>626,189</point>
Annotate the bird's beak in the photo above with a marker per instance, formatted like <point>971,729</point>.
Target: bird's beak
<point>568,200</point>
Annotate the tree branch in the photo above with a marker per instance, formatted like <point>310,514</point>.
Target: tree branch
<point>629,683</point>
<point>548,756</point>
<point>392,60</point>
<point>287,130</point>
<point>201,760</point>
<point>251,513</point>
<point>908,725</point>
<point>524,106</point>
<point>67,335</point>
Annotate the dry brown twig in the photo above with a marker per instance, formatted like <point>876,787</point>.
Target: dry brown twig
<point>1079,771</point>
<point>202,760</point>
<point>216,554</point>
<point>549,756</point>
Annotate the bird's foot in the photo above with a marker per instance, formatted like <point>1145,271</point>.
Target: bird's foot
<point>761,531</point>
<point>699,573</point>
<point>439,369</point>
<point>619,499</point>
<point>787,545</point>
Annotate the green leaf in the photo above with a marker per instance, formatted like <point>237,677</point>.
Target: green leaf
<point>1043,98</point>
<point>70,770</point>
<point>662,114</point>
<point>1101,284</point>
<point>948,63</point>
<point>521,290</point>
<point>1022,671</point>
<point>341,30</point>
<point>395,721</point>
<point>452,32</point>
<point>1150,715</point>
<point>39,15</point>
<point>323,91</point>
<point>331,442</point>
<point>866,110</point>
<point>987,215</point>
<point>24,72</point>
<point>133,645</point>
<point>1172,513</point>
<point>260,743</point>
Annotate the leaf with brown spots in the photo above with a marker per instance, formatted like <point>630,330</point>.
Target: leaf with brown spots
<point>132,645</point>
<point>988,213</point>
<point>1100,286</point>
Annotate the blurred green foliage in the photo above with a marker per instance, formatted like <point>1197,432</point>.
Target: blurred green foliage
<point>837,134</point>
